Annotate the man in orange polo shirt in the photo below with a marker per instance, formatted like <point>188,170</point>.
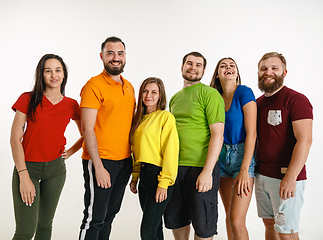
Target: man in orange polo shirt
<point>107,105</point>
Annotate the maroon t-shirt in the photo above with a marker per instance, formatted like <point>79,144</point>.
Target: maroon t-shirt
<point>276,138</point>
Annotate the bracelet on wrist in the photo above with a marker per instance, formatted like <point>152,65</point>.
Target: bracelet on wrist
<point>22,170</point>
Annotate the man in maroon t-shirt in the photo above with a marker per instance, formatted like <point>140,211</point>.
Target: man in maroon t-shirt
<point>284,127</point>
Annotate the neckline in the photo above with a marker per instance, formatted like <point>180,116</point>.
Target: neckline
<point>232,97</point>
<point>149,114</point>
<point>111,81</point>
<point>275,94</point>
<point>192,86</point>
<point>52,102</point>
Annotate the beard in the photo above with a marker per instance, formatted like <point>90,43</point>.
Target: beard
<point>270,87</point>
<point>195,79</point>
<point>114,70</point>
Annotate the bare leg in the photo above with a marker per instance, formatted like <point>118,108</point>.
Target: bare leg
<point>182,233</point>
<point>198,238</point>
<point>239,208</point>
<point>292,236</point>
<point>270,233</point>
<point>226,193</point>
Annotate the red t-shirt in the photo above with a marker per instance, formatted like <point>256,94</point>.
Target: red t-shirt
<point>44,139</point>
<point>276,138</point>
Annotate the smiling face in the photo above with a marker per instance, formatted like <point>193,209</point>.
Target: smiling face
<point>227,70</point>
<point>53,73</point>
<point>113,57</point>
<point>271,74</point>
<point>193,69</point>
<point>150,97</point>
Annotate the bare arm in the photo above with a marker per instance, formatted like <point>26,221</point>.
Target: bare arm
<point>250,123</point>
<point>76,146</point>
<point>88,116</point>
<point>204,180</point>
<point>303,134</point>
<point>27,188</point>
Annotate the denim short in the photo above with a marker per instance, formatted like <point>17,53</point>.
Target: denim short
<point>286,213</point>
<point>230,160</point>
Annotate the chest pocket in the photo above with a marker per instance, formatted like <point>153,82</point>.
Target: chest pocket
<point>274,117</point>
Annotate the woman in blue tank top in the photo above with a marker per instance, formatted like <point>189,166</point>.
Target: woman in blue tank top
<point>236,159</point>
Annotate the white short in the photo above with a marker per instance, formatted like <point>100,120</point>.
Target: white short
<point>269,204</point>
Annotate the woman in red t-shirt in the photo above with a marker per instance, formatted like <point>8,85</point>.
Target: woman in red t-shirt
<point>39,150</point>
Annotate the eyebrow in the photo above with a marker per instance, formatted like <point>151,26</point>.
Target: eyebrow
<point>117,51</point>
<point>50,68</point>
<point>274,65</point>
<point>151,90</point>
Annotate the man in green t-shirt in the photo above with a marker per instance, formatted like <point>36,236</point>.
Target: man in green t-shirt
<point>200,116</point>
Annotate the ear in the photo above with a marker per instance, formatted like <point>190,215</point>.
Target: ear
<point>182,68</point>
<point>285,73</point>
<point>101,56</point>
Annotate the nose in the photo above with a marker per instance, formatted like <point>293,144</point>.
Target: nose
<point>193,67</point>
<point>148,94</point>
<point>116,57</point>
<point>269,72</point>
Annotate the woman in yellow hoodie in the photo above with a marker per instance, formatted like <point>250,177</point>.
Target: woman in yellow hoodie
<point>155,146</point>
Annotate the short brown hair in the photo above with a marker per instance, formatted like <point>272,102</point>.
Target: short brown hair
<point>274,54</point>
<point>114,40</point>
<point>195,54</point>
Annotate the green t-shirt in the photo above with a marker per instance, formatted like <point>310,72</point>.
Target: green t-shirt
<point>195,108</point>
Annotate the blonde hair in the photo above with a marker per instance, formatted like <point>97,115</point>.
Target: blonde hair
<point>274,54</point>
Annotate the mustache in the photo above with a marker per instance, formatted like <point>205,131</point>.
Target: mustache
<point>265,76</point>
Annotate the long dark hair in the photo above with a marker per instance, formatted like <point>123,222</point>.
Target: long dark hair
<point>215,82</point>
<point>36,95</point>
<point>141,107</point>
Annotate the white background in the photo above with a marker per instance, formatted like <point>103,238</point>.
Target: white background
<point>157,35</point>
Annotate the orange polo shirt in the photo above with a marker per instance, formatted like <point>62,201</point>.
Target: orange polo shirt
<point>115,104</point>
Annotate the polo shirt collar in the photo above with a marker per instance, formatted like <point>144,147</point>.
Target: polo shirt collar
<point>111,81</point>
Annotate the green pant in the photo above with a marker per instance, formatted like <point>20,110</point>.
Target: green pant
<point>49,179</point>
